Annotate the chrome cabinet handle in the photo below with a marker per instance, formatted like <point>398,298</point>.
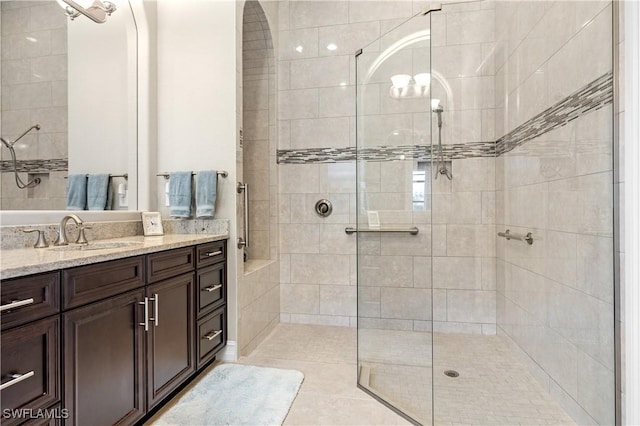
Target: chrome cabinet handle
<point>212,288</point>
<point>145,324</point>
<point>155,299</point>
<point>213,253</point>
<point>17,378</point>
<point>212,335</point>
<point>16,304</point>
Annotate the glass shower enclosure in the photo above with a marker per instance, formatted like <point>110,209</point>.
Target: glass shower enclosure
<point>393,76</point>
<point>484,199</point>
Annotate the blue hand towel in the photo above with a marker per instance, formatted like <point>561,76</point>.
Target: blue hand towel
<point>109,205</point>
<point>77,192</point>
<point>206,183</point>
<point>180,194</point>
<point>97,187</point>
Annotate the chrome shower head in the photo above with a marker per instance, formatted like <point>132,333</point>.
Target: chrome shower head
<point>438,110</point>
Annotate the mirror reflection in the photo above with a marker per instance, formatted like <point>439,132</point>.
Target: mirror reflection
<point>68,90</point>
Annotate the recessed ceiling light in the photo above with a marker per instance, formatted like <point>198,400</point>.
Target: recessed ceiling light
<point>332,46</point>
<point>299,49</point>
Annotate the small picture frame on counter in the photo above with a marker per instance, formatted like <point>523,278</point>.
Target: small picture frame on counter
<point>152,224</point>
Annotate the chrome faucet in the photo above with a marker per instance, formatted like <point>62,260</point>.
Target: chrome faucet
<point>62,231</point>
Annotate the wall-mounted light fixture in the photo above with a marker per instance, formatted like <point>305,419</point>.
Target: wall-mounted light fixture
<point>406,86</point>
<point>96,10</point>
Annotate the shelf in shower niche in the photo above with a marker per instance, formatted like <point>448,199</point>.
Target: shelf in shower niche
<point>386,229</point>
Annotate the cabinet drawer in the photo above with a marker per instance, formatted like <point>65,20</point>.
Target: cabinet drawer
<point>169,264</point>
<point>211,253</point>
<point>212,335</point>
<point>34,297</point>
<point>212,288</point>
<point>86,284</point>
<point>33,352</point>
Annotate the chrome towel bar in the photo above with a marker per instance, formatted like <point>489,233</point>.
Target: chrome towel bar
<point>126,176</point>
<point>222,173</point>
<point>350,230</point>
<point>520,237</point>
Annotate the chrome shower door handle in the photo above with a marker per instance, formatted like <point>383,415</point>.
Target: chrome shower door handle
<point>244,242</point>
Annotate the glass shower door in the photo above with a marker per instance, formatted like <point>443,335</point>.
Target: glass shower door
<point>393,199</point>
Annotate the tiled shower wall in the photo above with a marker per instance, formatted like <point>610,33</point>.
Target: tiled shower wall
<point>259,276</point>
<point>34,90</point>
<point>555,297</point>
<point>258,122</point>
<point>317,110</point>
<point>463,211</point>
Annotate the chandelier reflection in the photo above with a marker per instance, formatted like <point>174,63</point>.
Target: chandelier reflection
<point>407,86</point>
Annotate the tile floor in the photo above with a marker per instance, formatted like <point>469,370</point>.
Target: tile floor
<point>494,387</point>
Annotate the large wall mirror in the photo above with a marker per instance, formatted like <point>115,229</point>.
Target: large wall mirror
<point>72,86</point>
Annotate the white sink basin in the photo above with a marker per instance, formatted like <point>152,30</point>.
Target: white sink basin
<point>98,245</point>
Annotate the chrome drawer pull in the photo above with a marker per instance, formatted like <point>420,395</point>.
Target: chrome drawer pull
<point>212,288</point>
<point>155,299</point>
<point>16,304</point>
<point>213,253</point>
<point>212,335</point>
<point>145,324</point>
<point>17,378</point>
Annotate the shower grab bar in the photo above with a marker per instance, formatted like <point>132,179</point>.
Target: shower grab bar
<point>244,242</point>
<point>351,230</point>
<point>222,173</point>
<point>126,176</point>
<point>519,237</point>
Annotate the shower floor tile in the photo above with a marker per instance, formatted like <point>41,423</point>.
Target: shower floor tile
<point>494,386</point>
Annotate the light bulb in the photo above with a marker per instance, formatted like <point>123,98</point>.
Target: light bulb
<point>422,79</point>
<point>435,103</point>
<point>400,81</point>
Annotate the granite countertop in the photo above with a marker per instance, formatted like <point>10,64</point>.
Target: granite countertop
<point>27,261</point>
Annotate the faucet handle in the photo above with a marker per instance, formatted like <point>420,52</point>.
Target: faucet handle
<point>42,240</point>
<point>82,239</point>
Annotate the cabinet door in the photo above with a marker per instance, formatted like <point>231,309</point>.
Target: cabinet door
<point>170,340</point>
<point>30,369</point>
<point>104,361</point>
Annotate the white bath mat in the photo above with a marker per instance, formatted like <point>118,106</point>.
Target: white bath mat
<point>236,394</point>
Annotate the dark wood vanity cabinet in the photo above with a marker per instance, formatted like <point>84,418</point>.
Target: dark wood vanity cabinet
<point>108,342</point>
<point>30,353</point>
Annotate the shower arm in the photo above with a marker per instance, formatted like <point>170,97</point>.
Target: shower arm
<point>19,182</point>
<point>11,144</point>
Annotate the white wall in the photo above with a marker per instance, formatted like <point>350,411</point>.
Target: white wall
<point>197,103</point>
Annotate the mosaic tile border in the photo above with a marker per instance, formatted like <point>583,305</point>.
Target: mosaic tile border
<point>591,97</point>
<point>36,166</point>
<point>385,153</point>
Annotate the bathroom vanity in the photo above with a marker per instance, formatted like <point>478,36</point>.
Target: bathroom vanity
<point>103,337</point>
